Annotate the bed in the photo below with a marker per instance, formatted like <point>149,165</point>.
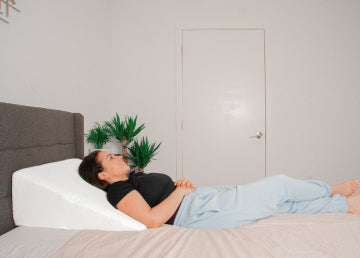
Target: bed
<point>31,136</point>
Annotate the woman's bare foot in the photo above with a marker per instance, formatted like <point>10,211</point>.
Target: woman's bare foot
<point>345,189</point>
<point>353,203</point>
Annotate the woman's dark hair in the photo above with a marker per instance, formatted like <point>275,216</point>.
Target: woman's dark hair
<point>89,170</point>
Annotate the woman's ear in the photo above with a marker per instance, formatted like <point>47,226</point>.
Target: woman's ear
<point>102,176</point>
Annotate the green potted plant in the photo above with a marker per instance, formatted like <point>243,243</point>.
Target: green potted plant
<point>98,136</point>
<point>123,131</point>
<point>142,153</point>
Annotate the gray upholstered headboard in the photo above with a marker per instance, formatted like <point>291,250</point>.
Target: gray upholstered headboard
<point>31,136</point>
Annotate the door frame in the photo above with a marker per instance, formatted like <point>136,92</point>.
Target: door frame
<point>179,92</point>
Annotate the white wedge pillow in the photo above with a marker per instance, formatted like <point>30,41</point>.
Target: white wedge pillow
<point>53,195</point>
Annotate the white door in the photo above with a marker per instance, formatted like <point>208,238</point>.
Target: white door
<point>222,104</point>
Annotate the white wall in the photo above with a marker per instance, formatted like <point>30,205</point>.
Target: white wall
<point>102,57</point>
<point>312,67</point>
<point>56,54</point>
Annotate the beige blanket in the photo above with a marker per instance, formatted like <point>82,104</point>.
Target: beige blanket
<point>284,235</point>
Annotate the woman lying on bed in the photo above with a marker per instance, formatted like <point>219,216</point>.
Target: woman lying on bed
<point>154,199</point>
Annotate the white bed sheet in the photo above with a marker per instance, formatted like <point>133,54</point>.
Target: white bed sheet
<point>33,241</point>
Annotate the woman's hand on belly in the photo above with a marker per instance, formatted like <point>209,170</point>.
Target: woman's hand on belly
<point>185,183</point>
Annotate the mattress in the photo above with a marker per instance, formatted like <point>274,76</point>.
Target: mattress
<point>281,235</point>
<point>33,242</point>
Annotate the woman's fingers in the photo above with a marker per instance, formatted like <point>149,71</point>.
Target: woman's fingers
<point>180,181</point>
<point>184,182</point>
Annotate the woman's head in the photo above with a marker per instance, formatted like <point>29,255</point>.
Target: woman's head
<point>89,169</point>
<point>102,168</point>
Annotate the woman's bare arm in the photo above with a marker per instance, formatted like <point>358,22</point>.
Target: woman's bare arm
<point>134,205</point>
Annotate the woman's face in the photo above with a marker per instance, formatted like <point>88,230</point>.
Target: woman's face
<point>115,169</point>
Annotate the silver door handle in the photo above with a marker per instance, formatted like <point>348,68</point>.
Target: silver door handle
<point>258,135</point>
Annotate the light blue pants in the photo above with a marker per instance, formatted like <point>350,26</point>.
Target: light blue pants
<point>219,207</point>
